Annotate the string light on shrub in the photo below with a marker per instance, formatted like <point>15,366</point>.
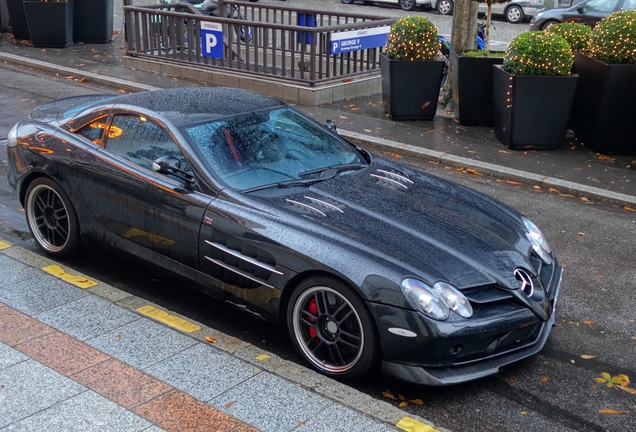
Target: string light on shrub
<point>614,38</point>
<point>538,53</point>
<point>412,38</point>
<point>579,36</point>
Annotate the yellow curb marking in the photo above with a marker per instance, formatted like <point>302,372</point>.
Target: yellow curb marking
<point>4,245</point>
<point>79,281</point>
<point>166,318</point>
<point>262,357</point>
<point>411,425</point>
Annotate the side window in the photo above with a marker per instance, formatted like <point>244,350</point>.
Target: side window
<point>629,5</point>
<point>601,5</point>
<point>141,141</point>
<point>94,132</point>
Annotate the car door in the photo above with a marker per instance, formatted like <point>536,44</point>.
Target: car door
<point>128,201</point>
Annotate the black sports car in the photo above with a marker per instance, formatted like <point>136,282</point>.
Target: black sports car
<point>366,262</point>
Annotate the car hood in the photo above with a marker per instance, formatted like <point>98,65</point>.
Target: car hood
<point>431,228</point>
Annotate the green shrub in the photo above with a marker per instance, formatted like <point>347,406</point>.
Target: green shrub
<point>578,35</point>
<point>412,38</point>
<point>538,53</point>
<point>614,38</point>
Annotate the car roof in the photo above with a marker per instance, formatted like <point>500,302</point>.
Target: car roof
<point>188,105</point>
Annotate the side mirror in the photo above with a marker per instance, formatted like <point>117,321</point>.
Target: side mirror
<point>171,165</point>
<point>581,9</point>
<point>329,124</point>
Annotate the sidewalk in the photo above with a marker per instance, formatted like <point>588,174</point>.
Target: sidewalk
<point>77,354</point>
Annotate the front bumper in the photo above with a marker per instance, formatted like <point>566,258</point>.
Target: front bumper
<point>457,350</point>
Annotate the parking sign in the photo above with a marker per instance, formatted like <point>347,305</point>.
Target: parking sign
<point>212,39</point>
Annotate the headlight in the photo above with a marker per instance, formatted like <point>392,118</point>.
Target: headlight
<point>12,137</point>
<point>438,301</point>
<point>454,299</point>
<point>539,243</point>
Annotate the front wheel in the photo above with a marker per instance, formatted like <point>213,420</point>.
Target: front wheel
<point>51,218</point>
<point>548,24</point>
<point>331,327</point>
<point>407,5</point>
<point>348,1</point>
<point>445,7</point>
<point>514,14</point>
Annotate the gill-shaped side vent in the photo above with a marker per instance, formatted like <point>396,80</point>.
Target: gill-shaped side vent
<point>392,179</point>
<point>317,206</point>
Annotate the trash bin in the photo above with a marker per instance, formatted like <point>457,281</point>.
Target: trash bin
<point>93,20</point>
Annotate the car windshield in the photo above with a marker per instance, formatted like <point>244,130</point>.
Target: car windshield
<point>269,146</point>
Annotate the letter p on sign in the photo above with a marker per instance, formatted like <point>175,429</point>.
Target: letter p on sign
<point>212,40</point>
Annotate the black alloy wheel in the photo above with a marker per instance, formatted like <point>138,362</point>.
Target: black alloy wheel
<point>332,328</point>
<point>51,218</point>
<point>407,5</point>
<point>514,14</point>
<point>548,24</point>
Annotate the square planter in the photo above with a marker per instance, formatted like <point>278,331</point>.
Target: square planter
<point>93,20</point>
<point>410,89</point>
<point>50,23</point>
<point>19,25</point>
<point>472,88</point>
<point>531,111</point>
<point>604,110</point>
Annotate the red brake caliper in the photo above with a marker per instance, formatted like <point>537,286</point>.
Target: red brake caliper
<point>313,309</point>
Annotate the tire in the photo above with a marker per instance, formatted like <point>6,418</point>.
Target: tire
<point>445,7</point>
<point>332,328</point>
<point>548,24</point>
<point>514,14</point>
<point>348,1</point>
<point>52,218</point>
<point>407,5</point>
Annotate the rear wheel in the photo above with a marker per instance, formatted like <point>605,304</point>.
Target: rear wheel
<point>332,328</point>
<point>348,1</point>
<point>51,218</point>
<point>445,7</point>
<point>407,5</point>
<point>514,14</point>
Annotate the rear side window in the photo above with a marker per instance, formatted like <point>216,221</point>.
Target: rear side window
<point>94,131</point>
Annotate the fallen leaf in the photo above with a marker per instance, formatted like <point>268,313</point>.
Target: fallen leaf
<point>567,195</point>
<point>512,182</point>
<point>400,397</point>
<point>587,356</point>
<point>262,357</point>
<point>368,130</point>
<point>544,379</point>
<point>83,80</point>
<point>302,423</point>
<point>347,80</point>
<point>229,404</point>
<point>553,190</point>
<point>537,187</point>
<point>118,337</point>
<point>585,198</point>
<point>426,104</point>
<point>603,157</point>
<point>627,389</point>
<point>355,109</point>
<point>505,151</point>
<point>513,379</point>
<point>403,404</point>
<point>343,117</point>
<point>588,322</point>
<point>472,171</point>
<point>388,394</point>
<point>524,412</point>
<point>628,208</point>
<point>581,234</point>
<point>210,339</point>
<point>416,401</point>
<point>611,411</point>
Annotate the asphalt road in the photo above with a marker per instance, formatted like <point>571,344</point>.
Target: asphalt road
<point>552,391</point>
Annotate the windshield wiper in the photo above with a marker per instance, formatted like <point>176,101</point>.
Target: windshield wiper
<point>339,167</point>
<point>325,174</point>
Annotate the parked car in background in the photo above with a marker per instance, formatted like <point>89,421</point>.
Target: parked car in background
<point>406,5</point>
<point>588,12</point>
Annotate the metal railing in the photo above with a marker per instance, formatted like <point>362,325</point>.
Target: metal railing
<point>267,40</point>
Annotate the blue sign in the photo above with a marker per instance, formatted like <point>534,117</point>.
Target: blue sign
<point>212,39</point>
<point>357,40</point>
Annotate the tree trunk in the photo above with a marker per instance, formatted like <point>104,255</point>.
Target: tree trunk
<point>463,38</point>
